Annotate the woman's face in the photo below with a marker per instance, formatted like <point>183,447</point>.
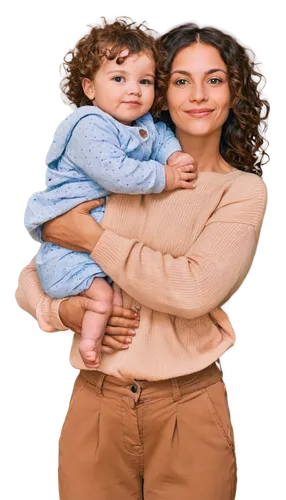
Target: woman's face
<point>198,95</point>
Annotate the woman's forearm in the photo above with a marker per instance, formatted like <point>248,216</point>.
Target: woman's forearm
<point>188,286</point>
<point>32,299</point>
<point>210,271</point>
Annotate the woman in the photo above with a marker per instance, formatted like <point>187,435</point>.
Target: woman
<point>154,421</point>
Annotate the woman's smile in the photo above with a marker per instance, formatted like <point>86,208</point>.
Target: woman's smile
<point>199,112</point>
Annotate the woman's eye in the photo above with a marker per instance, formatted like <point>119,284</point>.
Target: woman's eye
<point>215,81</point>
<point>180,82</point>
<point>118,79</point>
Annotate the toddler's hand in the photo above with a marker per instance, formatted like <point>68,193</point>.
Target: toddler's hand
<point>179,159</point>
<point>179,177</point>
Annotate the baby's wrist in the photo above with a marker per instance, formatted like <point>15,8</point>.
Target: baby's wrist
<point>169,173</point>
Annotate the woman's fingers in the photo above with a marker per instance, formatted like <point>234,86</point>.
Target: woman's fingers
<point>110,350</point>
<point>123,322</point>
<point>87,206</point>
<point>117,331</point>
<point>123,312</point>
<point>107,350</point>
<point>120,339</point>
<point>122,318</point>
<point>114,343</point>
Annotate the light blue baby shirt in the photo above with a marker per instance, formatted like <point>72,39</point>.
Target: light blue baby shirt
<point>94,155</point>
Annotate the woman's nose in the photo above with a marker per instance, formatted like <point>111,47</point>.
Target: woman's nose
<point>198,93</point>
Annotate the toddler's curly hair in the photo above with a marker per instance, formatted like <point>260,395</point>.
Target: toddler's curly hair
<point>84,57</point>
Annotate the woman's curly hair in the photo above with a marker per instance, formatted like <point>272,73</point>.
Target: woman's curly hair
<point>242,144</point>
<point>107,41</point>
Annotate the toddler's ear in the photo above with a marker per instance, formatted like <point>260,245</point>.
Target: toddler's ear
<point>88,88</point>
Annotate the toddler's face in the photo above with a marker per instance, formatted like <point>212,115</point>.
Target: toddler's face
<point>124,91</point>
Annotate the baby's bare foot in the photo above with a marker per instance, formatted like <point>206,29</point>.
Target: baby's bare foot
<point>90,351</point>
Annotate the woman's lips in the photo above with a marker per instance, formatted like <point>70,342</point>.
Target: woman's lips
<point>199,112</point>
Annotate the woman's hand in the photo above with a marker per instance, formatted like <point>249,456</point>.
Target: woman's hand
<point>119,330</point>
<point>76,230</point>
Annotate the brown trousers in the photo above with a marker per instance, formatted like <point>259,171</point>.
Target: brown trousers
<point>135,440</point>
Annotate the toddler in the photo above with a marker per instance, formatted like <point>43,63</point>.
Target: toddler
<point>109,144</point>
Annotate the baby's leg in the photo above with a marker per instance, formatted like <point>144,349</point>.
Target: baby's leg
<point>117,297</point>
<point>94,323</point>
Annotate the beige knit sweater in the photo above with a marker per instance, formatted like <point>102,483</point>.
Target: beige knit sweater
<point>180,255</point>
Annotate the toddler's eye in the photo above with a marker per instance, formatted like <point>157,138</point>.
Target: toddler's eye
<point>118,79</point>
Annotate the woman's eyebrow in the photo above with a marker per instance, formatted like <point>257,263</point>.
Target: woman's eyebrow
<point>208,72</point>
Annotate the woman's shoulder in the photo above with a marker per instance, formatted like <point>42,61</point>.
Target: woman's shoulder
<point>239,183</point>
<point>249,185</point>
<point>240,197</point>
<point>245,197</point>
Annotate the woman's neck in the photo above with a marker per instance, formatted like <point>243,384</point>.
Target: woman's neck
<point>205,150</point>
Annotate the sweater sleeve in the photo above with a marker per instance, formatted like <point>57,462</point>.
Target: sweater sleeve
<point>208,274</point>
<point>32,299</point>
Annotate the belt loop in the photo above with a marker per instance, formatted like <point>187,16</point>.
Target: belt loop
<point>99,382</point>
<point>176,389</point>
<point>218,361</point>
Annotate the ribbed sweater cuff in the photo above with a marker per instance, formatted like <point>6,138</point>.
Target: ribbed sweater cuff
<point>108,250</point>
<point>47,313</point>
